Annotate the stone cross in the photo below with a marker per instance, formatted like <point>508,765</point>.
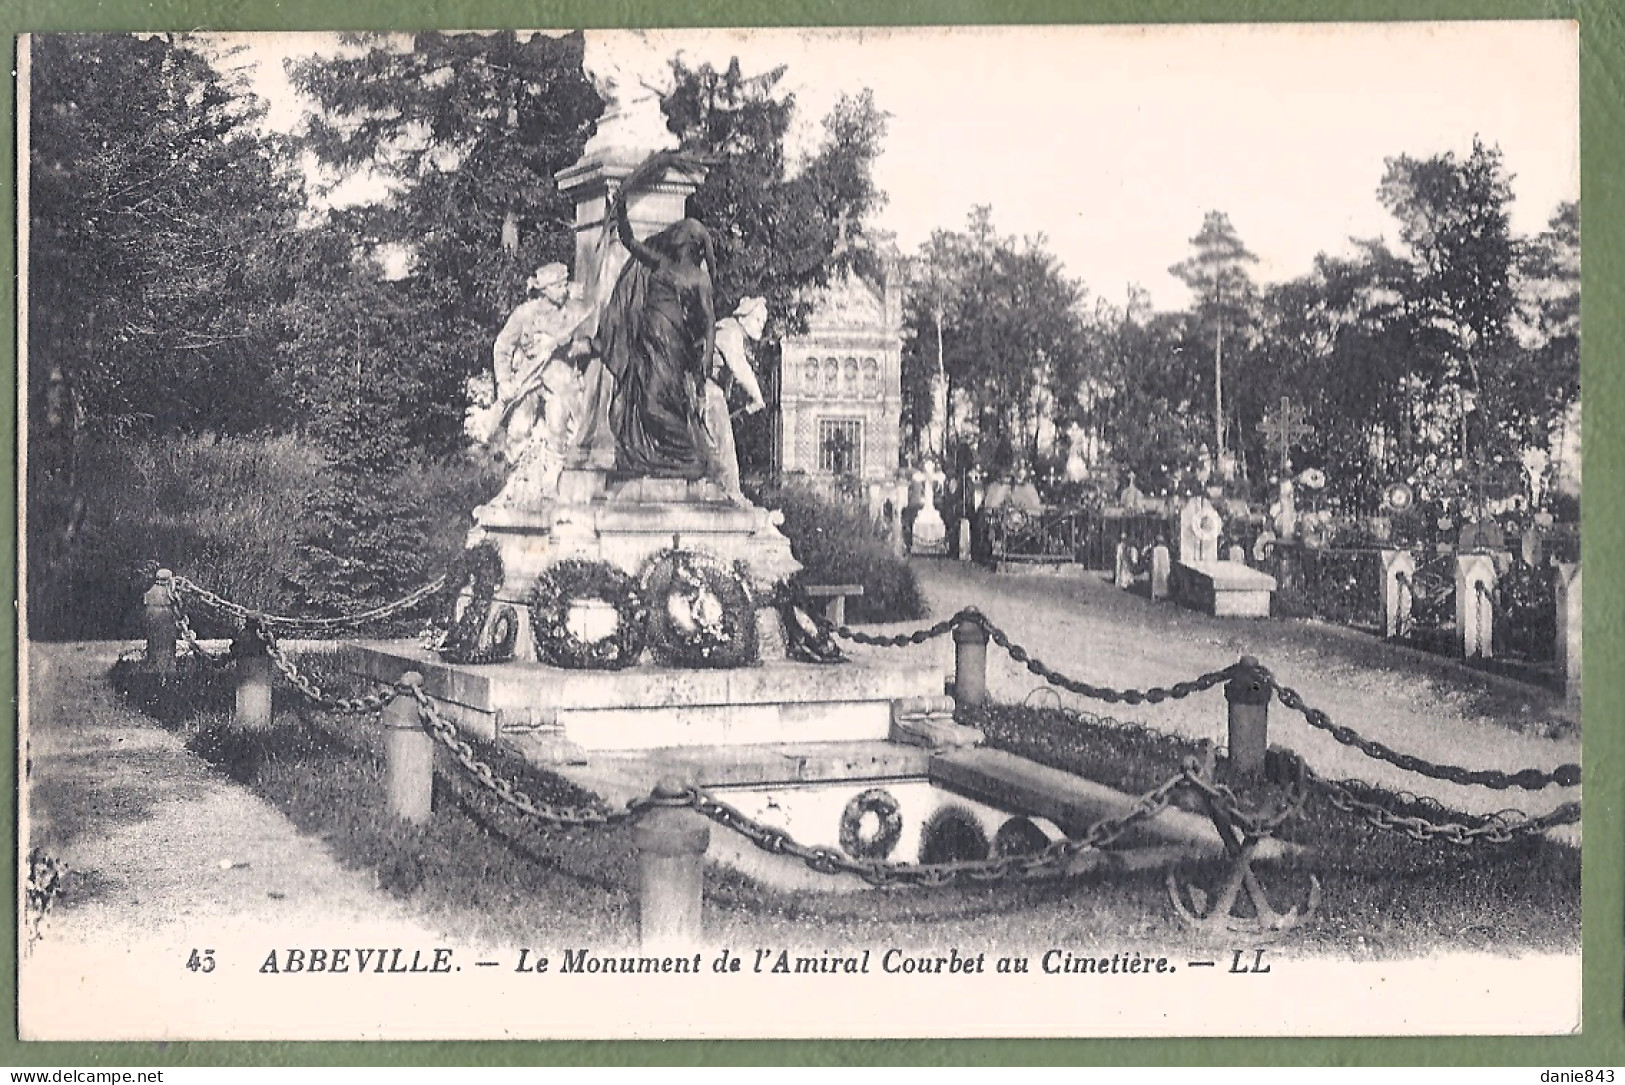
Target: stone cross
<point>1285,427</point>
<point>929,478</point>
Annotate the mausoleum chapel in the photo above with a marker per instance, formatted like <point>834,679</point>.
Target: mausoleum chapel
<point>840,385</point>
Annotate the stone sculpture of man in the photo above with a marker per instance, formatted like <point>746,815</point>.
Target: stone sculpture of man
<point>745,325</point>
<point>534,364</point>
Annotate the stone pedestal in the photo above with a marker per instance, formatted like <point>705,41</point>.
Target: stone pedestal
<point>584,714</point>
<point>625,523</point>
<point>1397,599</point>
<point>592,184</point>
<point>1568,627</point>
<point>1475,612</point>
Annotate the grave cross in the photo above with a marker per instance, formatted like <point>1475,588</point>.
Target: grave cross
<point>1284,427</point>
<point>930,478</point>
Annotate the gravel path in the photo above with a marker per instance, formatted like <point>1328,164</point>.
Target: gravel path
<point>1090,630</point>
<point>164,853</point>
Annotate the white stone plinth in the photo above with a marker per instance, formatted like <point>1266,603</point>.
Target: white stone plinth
<point>1161,571</point>
<point>650,707</point>
<point>1397,599</point>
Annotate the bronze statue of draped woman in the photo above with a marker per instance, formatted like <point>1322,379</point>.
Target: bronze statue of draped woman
<point>655,339</point>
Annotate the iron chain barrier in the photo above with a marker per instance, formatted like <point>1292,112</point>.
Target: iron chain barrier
<point>1155,695</point>
<point>241,613</point>
<point>1528,779</point>
<point>1385,811</point>
<point>366,703</point>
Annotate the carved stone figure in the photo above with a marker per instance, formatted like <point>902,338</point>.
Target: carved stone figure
<point>745,325</point>
<point>537,386</point>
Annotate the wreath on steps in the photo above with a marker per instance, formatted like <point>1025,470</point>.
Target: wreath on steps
<point>701,612</point>
<point>564,586</point>
<point>478,571</point>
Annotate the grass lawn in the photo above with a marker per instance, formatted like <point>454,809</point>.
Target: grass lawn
<point>480,868</point>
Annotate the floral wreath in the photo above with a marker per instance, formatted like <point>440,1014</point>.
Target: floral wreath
<point>1398,496</point>
<point>888,825</point>
<point>805,641</point>
<point>701,613</point>
<point>480,570</point>
<point>566,583</point>
<point>1208,525</point>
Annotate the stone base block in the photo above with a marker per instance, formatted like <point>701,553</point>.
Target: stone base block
<point>1222,588</point>
<point>649,707</point>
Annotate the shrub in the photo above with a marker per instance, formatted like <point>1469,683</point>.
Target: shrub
<point>236,515</point>
<point>215,509</point>
<point>837,543</point>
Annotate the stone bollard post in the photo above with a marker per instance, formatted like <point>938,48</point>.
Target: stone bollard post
<point>1161,566</point>
<point>1237,554</point>
<point>1397,597</point>
<point>254,711</point>
<point>1568,627</point>
<point>1475,616</point>
<point>159,602</point>
<point>408,755</point>
<point>970,662</point>
<point>964,538</point>
<point>1248,695</point>
<point>671,843</point>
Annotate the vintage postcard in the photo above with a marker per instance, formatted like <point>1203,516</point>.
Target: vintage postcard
<point>1045,531</point>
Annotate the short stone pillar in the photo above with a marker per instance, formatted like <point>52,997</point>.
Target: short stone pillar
<point>1475,610</point>
<point>1398,590</point>
<point>671,842</point>
<point>1568,627</point>
<point>408,755</point>
<point>1237,554</point>
<point>159,602</point>
<point>1248,695</point>
<point>1162,563</point>
<point>970,662</point>
<point>253,665</point>
<point>964,538</point>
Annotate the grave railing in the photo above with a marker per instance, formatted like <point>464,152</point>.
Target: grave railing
<point>1085,537</point>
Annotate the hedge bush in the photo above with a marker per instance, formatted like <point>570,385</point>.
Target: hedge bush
<point>231,513</point>
<point>837,543</point>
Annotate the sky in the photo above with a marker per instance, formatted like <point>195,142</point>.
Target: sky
<point>1114,142</point>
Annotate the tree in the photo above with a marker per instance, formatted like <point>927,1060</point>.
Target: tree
<point>1139,400</point>
<point>159,214</point>
<point>1454,222</point>
<point>1217,273</point>
<point>1003,318</point>
<point>463,134</point>
<point>775,227</point>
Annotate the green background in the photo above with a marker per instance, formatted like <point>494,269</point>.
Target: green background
<point>1602,36</point>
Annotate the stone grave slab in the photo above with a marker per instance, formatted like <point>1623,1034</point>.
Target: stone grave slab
<point>1222,588</point>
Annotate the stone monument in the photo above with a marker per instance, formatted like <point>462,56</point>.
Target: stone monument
<point>1202,581</point>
